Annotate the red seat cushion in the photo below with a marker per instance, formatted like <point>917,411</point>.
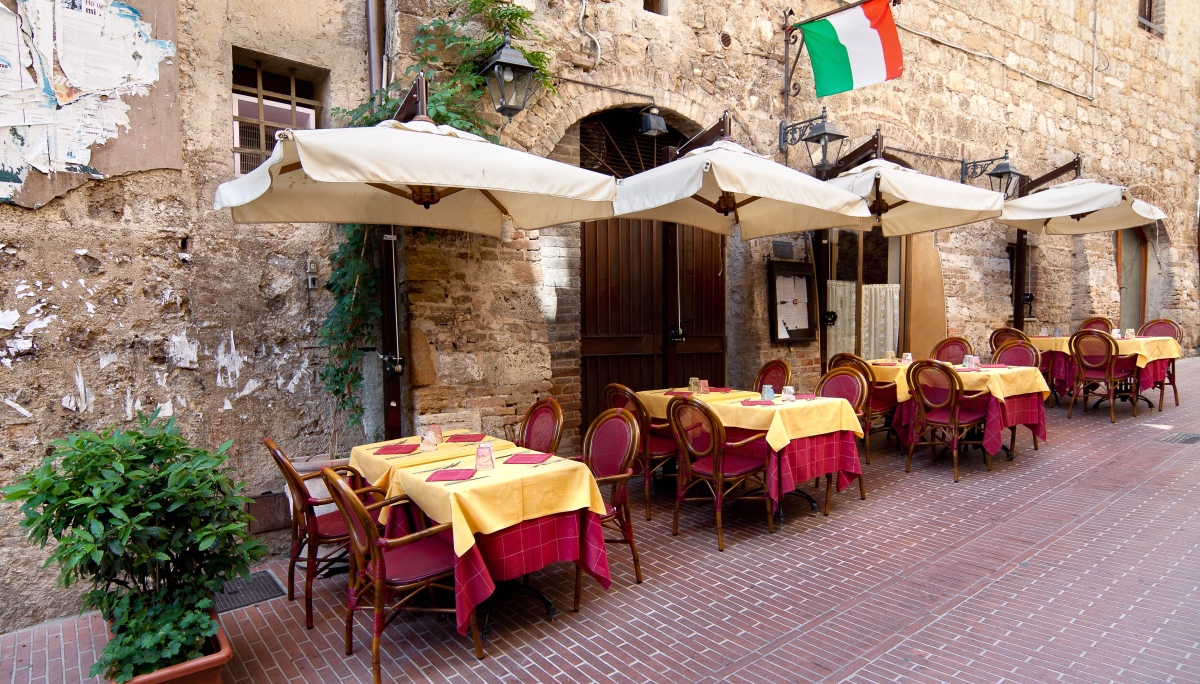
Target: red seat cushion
<point>735,465</point>
<point>883,399</point>
<point>421,560</point>
<point>661,446</point>
<point>331,524</point>
<point>966,414</point>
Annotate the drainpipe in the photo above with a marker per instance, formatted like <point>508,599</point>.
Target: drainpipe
<point>375,41</point>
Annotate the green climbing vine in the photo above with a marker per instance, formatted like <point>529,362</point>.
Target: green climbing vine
<point>449,50</point>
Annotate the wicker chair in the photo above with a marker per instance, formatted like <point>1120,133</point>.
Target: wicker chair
<point>542,427</point>
<point>1165,327</point>
<point>703,460</point>
<point>1001,336</point>
<point>1018,353</point>
<point>941,414</point>
<point>656,449</point>
<point>776,373</point>
<point>400,568</point>
<point>311,531</point>
<point>609,449</point>
<point>951,349</point>
<point>880,409</point>
<point>1099,365</point>
<point>1096,323</point>
<point>846,383</point>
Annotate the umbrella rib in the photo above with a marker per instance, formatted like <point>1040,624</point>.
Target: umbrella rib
<point>704,201</point>
<point>288,168</point>
<point>392,189</point>
<point>492,198</point>
<point>747,201</point>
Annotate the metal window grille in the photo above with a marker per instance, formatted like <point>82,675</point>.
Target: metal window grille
<point>263,109</point>
<point>1151,16</point>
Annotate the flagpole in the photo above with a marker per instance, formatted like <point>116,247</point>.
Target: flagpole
<point>830,13</point>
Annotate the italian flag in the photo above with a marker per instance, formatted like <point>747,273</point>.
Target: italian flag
<point>853,48</point>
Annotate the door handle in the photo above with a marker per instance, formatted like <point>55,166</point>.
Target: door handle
<point>829,318</point>
<point>676,335</point>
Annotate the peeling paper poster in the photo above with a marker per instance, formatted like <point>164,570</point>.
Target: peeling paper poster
<point>64,67</point>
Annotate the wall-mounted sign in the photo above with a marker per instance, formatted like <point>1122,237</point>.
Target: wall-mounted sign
<point>792,293</point>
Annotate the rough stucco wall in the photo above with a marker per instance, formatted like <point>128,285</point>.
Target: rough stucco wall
<point>138,324</point>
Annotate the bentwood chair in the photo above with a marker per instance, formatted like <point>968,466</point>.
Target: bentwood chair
<point>310,531</point>
<point>542,427</point>
<point>1165,327</point>
<point>610,446</point>
<point>879,410</point>
<point>776,373</point>
<point>944,414</point>
<point>1002,336</point>
<point>846,383</point>
<point>399,568</point>
<point>656,450</point>
<point>951,349</point>
<point>1096,323</point>
<point>1018,353</point>
<point>709,462</point>
<point>1099,366</point>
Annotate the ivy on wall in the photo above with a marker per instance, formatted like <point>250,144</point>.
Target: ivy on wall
<point>449,50</point>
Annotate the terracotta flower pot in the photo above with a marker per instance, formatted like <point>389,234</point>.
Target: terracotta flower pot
<point>203,670</point>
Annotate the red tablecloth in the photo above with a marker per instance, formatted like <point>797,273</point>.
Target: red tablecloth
<point>1063,369</point>
<point>804,459</point>
<point>519,550</point>
<point>1022,409</point>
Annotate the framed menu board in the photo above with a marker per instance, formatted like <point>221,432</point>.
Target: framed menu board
<point>792,301</point>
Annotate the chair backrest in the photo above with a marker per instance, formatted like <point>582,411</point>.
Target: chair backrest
<point>1162,327</point>
<point>952,349</point>
<point>846,383</point>
<point>1002,336</point>
<point>302,499</point>
<point>776,373</point>
<point>697,430</point>
<point>1096,323</point>
<point>1093,350</point>
<point>934,386</point>
<point>848,360</point>
<point>611,442</point>
<point>362,531</point>
<point>1018,353</point>
<point>619,396</point>
<point>542,426</point>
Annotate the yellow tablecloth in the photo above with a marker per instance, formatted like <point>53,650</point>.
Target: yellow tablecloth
<point>1147,348</point>
<point>788,420</point>
<point>1000,382</point>
<point>500,498</point>
<point>656,400</point>
<point>378,470</point>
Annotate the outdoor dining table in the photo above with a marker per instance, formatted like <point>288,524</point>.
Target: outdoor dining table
<point>507,522</point>
<point>1154,355</point>
<point>1016,396</point>
<point>807,437</point>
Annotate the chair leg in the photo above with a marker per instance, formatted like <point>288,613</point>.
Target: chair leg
<point>475,637</point>
<point>862,487</point>
<point>349,629</point>
<point>828,490</point>
<point>292,570</point>
<point>1112,405</point>
<point>867,441</point>
<point>1035,441</point>
<point>1012,443</point>
<point>578,585</point>
<point>637,563</point>
<point>1174,388</point>
<point>1071,406</point>
<point>310,571</point>
<point>954,456</point>
<point>1134,394</point>
<point>675,525</point>
<point>908,466</point>
<point>817,482</point>
<point>770,513</point>
<point>375,658</point>
<point>646,485</point>
<point>1162,392</point>
<point>720,535</point>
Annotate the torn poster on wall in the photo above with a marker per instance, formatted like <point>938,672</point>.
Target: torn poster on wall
<point>64,67</point>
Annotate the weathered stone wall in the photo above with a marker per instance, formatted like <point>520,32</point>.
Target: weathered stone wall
<point>145,296</point>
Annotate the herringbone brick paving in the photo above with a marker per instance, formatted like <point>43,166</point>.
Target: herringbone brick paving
<point>1074,563</point>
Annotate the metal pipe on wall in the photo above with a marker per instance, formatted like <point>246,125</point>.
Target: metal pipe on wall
<point>375,41</point>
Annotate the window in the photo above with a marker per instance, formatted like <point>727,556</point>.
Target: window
<point>269,96</point>
<point>656,6</point>
<point>1151,16</point>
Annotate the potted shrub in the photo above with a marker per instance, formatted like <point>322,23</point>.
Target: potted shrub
<point>154,527</point>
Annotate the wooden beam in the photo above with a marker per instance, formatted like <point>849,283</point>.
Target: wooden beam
<point>495,202</point>
<point>706,137</point>
<point>392,189</point>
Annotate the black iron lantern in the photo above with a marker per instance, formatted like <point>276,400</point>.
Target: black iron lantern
<point>510,79</point>
<point>1004,177</point>
<point>653,124</point>
<point>824,143</point>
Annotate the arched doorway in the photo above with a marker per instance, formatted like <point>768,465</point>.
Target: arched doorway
<point>1131,257</point>
<point>640,280</point>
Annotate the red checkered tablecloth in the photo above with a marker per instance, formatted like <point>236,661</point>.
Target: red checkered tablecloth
<point>1022,409</point>
<point>1063,369</point>
<point>804,459</point>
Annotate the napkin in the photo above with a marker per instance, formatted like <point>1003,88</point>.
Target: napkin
<point>806,396</point>
<point>993,365</point>
<point>396,449</point>
<point>757,402</point>
<point>720,389</point>
<point>966,370</point>
<point>883,363</point>
<point>470,437</point>
<point>451,474</point>
<point>673,393</point>
<point>528,459</point>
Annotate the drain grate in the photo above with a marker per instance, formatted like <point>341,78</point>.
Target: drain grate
<point>1180,438</point>
<point>239,593</point>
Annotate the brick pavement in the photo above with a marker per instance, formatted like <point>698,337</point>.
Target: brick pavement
<point>1074,563</point>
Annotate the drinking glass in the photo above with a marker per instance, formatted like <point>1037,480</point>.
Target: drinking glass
<point>436,429</point>
<point>768,392</point>
<point>907,357</point>
<point>889,355</point>
<point>484,457</point>
<point>1058,332</point>
<point>1130,333</point>
<point>789,392</point>
<point>693,384</point>
<point>1116,332</point>
<point>704,388</point>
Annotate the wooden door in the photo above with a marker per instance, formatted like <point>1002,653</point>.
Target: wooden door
<point>695,287</point>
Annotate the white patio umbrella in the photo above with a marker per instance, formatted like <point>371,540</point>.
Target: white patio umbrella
<point>716,186</point>
<point>415,174</point>
<point>905,202</point>
<point>1078,207</point>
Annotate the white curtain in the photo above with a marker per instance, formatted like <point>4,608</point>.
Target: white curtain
<point>881,320</point>
<point>842,299</point>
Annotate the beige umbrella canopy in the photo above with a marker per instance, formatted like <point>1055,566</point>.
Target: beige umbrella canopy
<point>717,186</point>
<point>1079,207</point>
<point>905,202</point>
<point>415,173</point>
